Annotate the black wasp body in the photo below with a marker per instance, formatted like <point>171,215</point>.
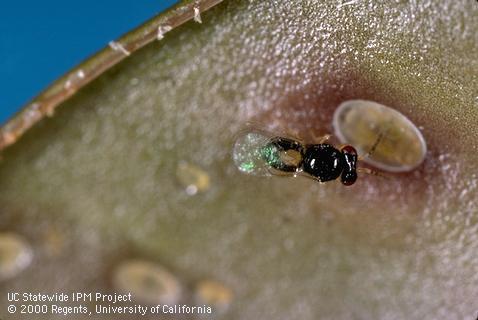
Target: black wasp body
<point>322,161</point>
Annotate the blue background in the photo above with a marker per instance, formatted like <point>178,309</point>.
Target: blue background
<point>41,40</point>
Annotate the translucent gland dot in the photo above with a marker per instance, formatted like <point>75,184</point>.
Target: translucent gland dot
<point>192,178</point>
<point>252,153</point>
<point>396,143</point>
<point>15,255</point>
<point>214,294</point>
<point>147,282</point>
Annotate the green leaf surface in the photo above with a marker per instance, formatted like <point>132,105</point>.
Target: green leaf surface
<point>96,184</point>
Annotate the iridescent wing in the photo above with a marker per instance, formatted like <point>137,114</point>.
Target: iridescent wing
<point>255,153</point>
<point>248,153</point>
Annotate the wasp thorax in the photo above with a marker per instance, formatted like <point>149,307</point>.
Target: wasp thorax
<point>323,162</point>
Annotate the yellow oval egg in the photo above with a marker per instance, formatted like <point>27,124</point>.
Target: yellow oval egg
<point>15,255</point>
<point>147,282</point>
<point>400,146</point>
<point>192,178</point>
<point>215,294</point>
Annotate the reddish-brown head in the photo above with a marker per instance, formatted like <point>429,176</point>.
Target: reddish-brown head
<point>349,174</point>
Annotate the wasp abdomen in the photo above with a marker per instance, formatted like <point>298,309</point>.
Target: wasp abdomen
<point>283,154</point>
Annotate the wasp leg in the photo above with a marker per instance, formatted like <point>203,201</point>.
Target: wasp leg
<point>294,134</point>
<point>278,173</point>
<point>322,139</point>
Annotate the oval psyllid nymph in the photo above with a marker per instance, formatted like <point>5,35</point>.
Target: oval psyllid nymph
<point>361,123</point>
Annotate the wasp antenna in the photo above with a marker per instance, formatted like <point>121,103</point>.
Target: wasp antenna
<point>375,144</point>
<point>372,172</point>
